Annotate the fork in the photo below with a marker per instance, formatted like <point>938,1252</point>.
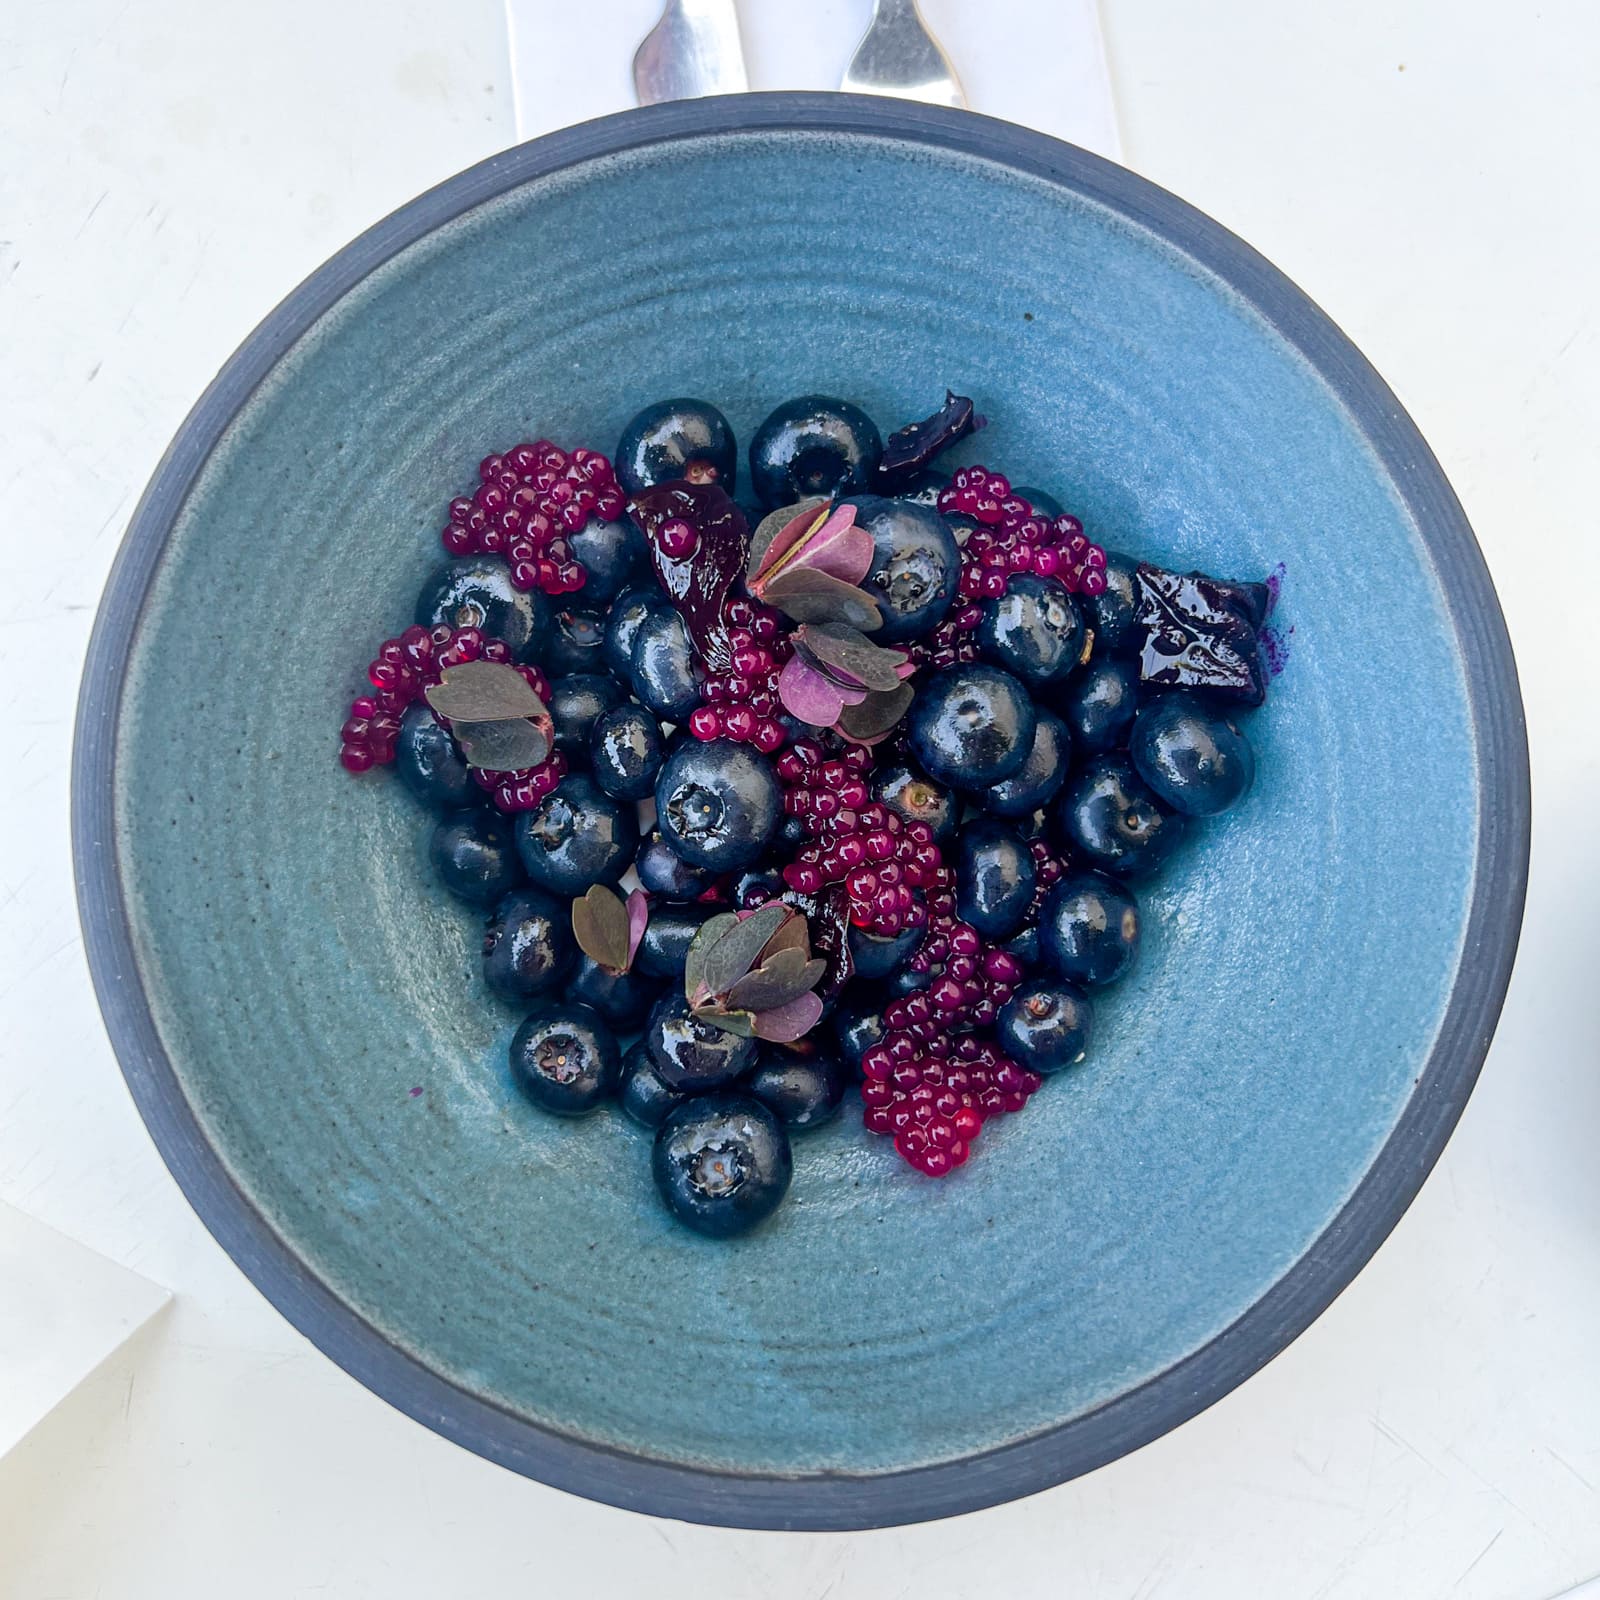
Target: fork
<point>898,56</point>
<point>694,49</point>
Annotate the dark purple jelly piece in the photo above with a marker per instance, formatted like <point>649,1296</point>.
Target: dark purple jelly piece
<point>701,582</point>
<point>827,917</point>
<point>1196,633</point>
<point>908,451</point>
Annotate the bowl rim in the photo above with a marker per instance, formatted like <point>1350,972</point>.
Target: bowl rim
<point>825,1501</point>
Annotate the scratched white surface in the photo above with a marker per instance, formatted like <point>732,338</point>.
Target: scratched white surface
<point>170,169</point>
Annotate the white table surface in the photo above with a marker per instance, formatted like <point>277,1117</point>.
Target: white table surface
<point>1423,168</point>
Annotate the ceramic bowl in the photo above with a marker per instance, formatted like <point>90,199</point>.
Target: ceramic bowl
<point>280,977</point>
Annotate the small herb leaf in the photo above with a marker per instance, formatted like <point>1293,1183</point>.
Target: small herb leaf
<point>849,651</point>
<point>785,1024</point>
<point>876,715</point>
<point>735,952</point>
<point>793,935</point>
<point>511,746</point>
<point>780,521</point>
<point>600,925</point>
<point>785,977</point>
<point>711,930</point>
<point>739,1022</point>
<point>484,691</point>
<point>810,596</point>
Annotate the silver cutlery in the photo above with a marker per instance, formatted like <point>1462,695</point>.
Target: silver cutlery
<point>898,56</point>
<point>694,50</point>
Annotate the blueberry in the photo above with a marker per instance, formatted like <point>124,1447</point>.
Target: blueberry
<point>858,1025</point>
<point>527,944</point>
<point>576,704</point>
<point>625,750</point>
<point>628,610</point>
<point>756,887</point>
<point>691,1054</point>
<point>677,439</point>
<point>644,1097</point>
<point>1114,822</point>
<point>971,726</point>
<point>717,804</point>
<point>667,936</point>
<point>1199,763</point>
<point>577,836</point>
<point>1034,630</point>
<point>916,566</point>
<point>722,1164</point>
<point>813,445</point>
<point>915,797</point>
<point>664,872</point>
<point>905,980</point>
<point>1025,945</point>
<point>1099,705</point>
<point>1089,929</point>
<point>665,672</point>
<point>429,764</point>
<point>1044,504</point>
<point>611,553</point>
<point>1045,1026</point>
<point>925,488</point>
<point>1113,610</point>
<point>995,877</point>
<point>1036,781</point>
<point>475,856</point>
<point>803,1089</point>
<point>575,643</point>
<point>876,957</point>
<point>622,998</point>
<point>477,592</point>
<point>565,1059</point>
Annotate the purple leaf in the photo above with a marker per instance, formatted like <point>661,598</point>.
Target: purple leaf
<point>784,1024</point>
<point>638,921</point>
<point>813,697</point>
<point>839,548</point>
<point>701,583</point>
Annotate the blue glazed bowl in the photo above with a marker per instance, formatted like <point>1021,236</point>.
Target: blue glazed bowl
<point>1324,967</point>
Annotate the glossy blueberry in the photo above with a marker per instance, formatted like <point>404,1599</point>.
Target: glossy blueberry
<point>1099,703</point>
<point>429,763</point>
<point>915,797</point>
<point>576,704</point>
<point>527,944</point>
<point>722,1163</point>
<point>665,673</point>
<point>1089,929</point>
<point>1198,762</point>
<point>565,1059</point>
<point>677,439</point>
<point>925,488</point>
<point>1025,945</point>
<point>575,643</point>
<point>475,855</point>
<point>625,750</point>
<point>1043,503</point>
<point>1034,630</point>
<point>804,1089</point>
<point>876,957</point>
<point>971,726</point>
<point>995,877</point>
<point>756,887</point>
<point>477,592</point>
<point>1114,822</point>
<point>1112,612</point>
<point>691,1054</point>
<point>622,998</point>
<point>577,836</point>
<point>1037,780</point>
<point>858,1025</point>
<point>1045,1026</point>
<point>667,936</point>
<point>916,567</point>
<point>813,445</point>
<point>662,871</point>
<point>628,610</point>
<point>717,804</point>
<point>611,553</point>
<point>643,1096</point>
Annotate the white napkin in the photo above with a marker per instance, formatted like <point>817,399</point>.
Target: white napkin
<point>1041,65</point>
<point>63,1310</point>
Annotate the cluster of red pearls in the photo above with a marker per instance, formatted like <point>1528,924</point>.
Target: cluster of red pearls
<point>530,499</point>
<point>882,860</point>
<point>1011,537</point>
<point>742,704</point>
<point>933,1080</point>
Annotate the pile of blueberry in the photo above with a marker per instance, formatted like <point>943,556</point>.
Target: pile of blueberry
<point>845,786</point>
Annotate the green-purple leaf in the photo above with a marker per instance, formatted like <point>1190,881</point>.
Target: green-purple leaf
<point>785,1024</point>
<point>784,977</point>
<point>509,746</point>
<point>849,652</point>
<point>733,955</point>
<point>600,925</point>
<point>711,930</point>
<point>876,716</point>
<point>809,596</point>
<point>484,691</point>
